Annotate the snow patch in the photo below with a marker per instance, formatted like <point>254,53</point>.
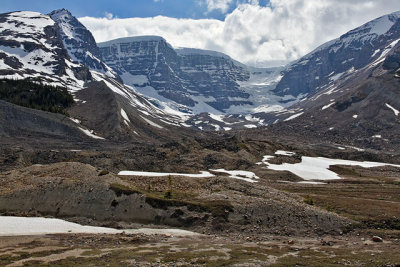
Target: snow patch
<point>124,115</point>
<point>327,106</point>
<point>284,153</point>
<point>90,133</point>
<point>318,168</point>
<point>203,174</point>
<point>294,116</point>
<point>241,175</point>
<point>19,226</point>
<point>151,123</point>
<point>396,112</point>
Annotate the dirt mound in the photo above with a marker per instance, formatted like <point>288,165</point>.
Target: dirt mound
<point>207,205</point>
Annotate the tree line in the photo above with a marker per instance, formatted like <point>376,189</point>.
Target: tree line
<point>36,95</point>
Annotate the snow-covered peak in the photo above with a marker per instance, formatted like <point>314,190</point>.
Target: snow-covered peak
<point>60,14</point>
<point>377,26</point>
<point>184,51</point>
<point>23,22</point>
<point>79,42</point>
<point>193,51</point>
<point>133,39</point>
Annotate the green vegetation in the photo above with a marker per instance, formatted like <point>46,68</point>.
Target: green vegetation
<point>120,189</point>
<point>36,95</point>
<point>308,200</point>
<point>168,194</point>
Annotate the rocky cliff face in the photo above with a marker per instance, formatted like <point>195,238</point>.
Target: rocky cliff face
<point>79,42</point>
<point>193,78</point>
<point>360,108</point>
<point>31,47</point>
<point>352,51</point>
<point>56,49</point>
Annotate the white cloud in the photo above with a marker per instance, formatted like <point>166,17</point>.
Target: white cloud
<point>221,5</point>
<point>257,35</point>
<point>109,15</point>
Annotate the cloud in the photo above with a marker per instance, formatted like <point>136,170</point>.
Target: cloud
<point>221,5</point>
<point>109,15</point>
<point>258,35</point>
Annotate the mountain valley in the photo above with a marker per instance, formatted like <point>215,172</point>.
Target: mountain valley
<point>134,133</point>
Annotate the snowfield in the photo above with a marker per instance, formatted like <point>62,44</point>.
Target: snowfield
<point>17,226</point>
<point>311,168</point>
<point>236,174</point>
<point>241,175</point>
<point>203,174</point>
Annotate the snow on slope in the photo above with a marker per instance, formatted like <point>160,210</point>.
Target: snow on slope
<point>18,226</point>
<point>143,105</point>
<point>311,168</point>
<point>29,49</point>
<point>79,42</point>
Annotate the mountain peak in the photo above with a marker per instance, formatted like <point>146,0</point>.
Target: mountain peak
<point>144,38</point>
<point>60,12</point>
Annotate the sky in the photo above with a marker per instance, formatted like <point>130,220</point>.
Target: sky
<point>260,33</point>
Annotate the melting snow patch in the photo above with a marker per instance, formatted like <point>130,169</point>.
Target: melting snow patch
<point>327,106</point>
<point>10,226</point>
<point>284,153</point>
<point>294,116</point>
<point>318,168</point>
<point>152,123</point>
<point>396,112</point>
<point>250,126</point>
<point>355,116</point>
<point>90,133</point>
<point>18,226</point>
<point>336,77</point>
<point>377,136</point>
<point>75,120</point>
<point>203,174</point>
<point>241,175</point>
<point>216,117</point>
<point>376,52</point>
<point>124,115</point>
<point>311,182</point>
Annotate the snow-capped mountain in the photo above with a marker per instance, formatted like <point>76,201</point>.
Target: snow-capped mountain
<point>56,49</point>
<point>148,87</point>
<point>31,47</point>
<point>340,57</point>
<point>354,97</point>
<point>79,42</point>
<point>196,80</point>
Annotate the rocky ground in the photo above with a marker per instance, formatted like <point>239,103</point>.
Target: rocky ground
<point>274,221</point>
<point>205,250</point>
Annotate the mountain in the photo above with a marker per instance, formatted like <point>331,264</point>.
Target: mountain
<point>56,49</point>
<point>152,91</point>
<point>31,47</point>
<point>217,91</point>
<point>197,80</point>
<point>353,51</point>
<point>352,88</point>
<point>79,42</point>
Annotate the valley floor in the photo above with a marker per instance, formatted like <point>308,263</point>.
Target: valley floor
<point>272,220</point>
<point>165,250</point>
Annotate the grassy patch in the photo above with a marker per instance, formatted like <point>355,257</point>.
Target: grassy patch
<point>120,189</point>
